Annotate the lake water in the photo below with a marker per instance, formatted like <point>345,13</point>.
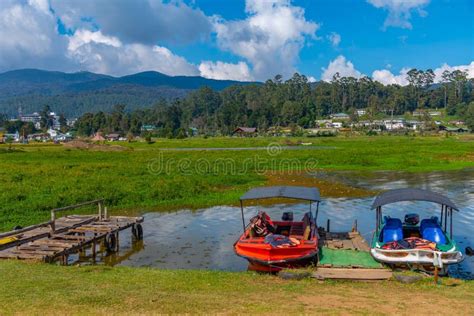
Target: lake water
<point>203,239</point>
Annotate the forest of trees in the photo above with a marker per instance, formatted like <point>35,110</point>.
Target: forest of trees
<point>285,103</point>
<point>288,103</point>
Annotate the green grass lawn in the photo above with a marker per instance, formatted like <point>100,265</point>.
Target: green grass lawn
<point>50,289</point>
<point>36,178</point>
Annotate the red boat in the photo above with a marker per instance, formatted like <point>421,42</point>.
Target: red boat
<point>272,245</point>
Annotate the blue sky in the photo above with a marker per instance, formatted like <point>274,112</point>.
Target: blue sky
<point>237,39</point>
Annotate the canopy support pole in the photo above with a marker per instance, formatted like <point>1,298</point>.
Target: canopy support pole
<point>378,217</point>
<point>242,212</point>
<point>442,215</point>
<point>446,219</point>
<point>316,213</point>
<point>451,223</point>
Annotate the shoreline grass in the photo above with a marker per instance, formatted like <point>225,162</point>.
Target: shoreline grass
<point>28,288</point>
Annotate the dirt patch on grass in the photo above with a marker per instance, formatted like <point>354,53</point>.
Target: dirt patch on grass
<point>327,188</point>
<point>79,144</point>
<point>467,157</point>
<point>385,298</point>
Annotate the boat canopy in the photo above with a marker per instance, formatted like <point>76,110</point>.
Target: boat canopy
<point>399,195</point>
<point>291,192</point>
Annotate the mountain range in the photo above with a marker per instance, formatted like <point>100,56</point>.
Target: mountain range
<point>76,93</point>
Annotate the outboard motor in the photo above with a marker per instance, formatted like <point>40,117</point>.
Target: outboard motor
<point>412,219</point>
<point>287,217</point>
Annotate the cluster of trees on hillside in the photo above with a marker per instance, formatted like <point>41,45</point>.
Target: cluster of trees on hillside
<point>292,102</point>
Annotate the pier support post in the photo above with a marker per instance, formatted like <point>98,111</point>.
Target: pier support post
<point>117,243</point>
<point>93,251</point>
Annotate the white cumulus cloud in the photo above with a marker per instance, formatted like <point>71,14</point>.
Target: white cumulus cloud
<point>340,65</point>
<point>399,11</point>
<point>221,71</point>
<point>137,21</point>
<point>334,38</point>
<point>386,77</point>
<point>467,68</point>
<point>82,37</point>
<point>28,36</point>
<point>270,38</point>
<point>104,54</point>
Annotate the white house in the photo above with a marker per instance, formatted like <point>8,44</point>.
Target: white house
<point>340,116</point>
<point>394,124</point>
<point>53,133</point>
<point>324,123</point>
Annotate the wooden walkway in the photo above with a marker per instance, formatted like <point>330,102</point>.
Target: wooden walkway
<point>345,240</point>
<point>58,239</point>
<point>349,258</point>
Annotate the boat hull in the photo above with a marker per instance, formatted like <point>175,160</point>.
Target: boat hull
<point>416,256</point>
<point>275,266</point>
<point>265,257</point>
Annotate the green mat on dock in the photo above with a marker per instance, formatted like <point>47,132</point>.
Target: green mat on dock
<point>347,258</point>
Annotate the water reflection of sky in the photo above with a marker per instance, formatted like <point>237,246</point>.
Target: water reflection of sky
<point>204,239</point>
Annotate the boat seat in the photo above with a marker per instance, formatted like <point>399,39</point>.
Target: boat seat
<point>392,230</point>
<point>297,229</point>
<point>428,222</point>
<point>430,230</point>
<point>301,229</point>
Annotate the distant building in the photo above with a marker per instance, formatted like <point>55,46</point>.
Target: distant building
<point>52,133</point>
<point>12,137</point>
<point>55,120</point>
<point>361,112</point>
<point>245,131</point>
<point>340,116</point>
<point>71,122</point>
<point>457,123</point>
<point>113,137</point>
<point>431,113</point>
<point>324,123</point>
<point>34,118</point>
<point>414,125</point>
<point>148,128</point>
<point>336,125</point>
<point>394,124</point>
<point>39,137</point>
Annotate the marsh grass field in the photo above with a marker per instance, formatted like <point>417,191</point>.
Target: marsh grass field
<point>38,177</point>
<point>166,175</point>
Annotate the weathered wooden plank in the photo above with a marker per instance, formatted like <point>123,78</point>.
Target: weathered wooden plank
<point>34,252</point>
<point>71,237</point>
<point>22,256</point>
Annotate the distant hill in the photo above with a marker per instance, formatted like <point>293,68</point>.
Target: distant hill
<point>76,93</point>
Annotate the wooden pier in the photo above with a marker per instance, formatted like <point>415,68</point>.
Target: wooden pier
<point>346,256</point>
<point>59,238</point>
